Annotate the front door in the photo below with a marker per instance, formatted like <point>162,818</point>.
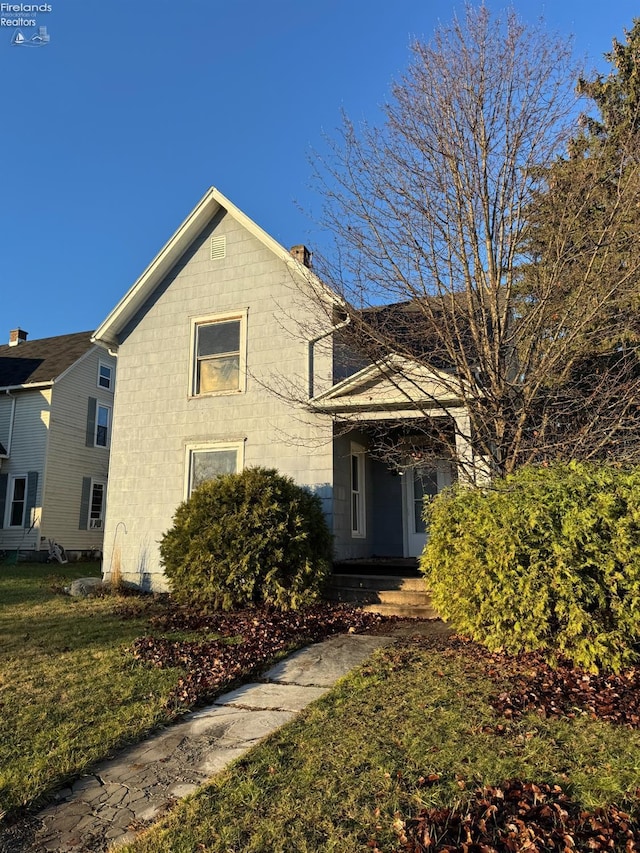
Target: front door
<point>420,482</point>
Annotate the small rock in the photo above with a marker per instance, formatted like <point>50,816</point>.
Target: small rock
<point>84,587</point>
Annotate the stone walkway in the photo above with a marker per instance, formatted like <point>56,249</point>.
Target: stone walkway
<point>128,793</point>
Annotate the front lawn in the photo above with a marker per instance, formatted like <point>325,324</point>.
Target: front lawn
<point>424,726</point>
<point>69,695</point>
<point>80,678</point>
<point>421,749</point>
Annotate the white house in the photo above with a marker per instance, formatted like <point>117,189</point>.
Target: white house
<point>56,403</point>
<point>226,359</point>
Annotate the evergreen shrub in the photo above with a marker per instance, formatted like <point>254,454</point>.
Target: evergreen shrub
<point>547,558</point>
<point>247,539</point>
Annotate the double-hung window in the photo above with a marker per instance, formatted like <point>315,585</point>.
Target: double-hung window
<point>204,462</point>
<point>218,361</point>
<point>17,501</point>
<point>358,507</point>
<point>18,495</point>
<point>103,416</point>
<point>98,424</point>
<point>96,506</point>
<point>105,376</point>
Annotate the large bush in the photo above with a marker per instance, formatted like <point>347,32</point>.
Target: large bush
<point>544,559</point>
<point>247,539</point>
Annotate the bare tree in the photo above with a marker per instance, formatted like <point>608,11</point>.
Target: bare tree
<point>431,218</point>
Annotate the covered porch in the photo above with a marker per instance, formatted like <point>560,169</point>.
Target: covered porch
<point>400,436</point>
<point>378,498</point>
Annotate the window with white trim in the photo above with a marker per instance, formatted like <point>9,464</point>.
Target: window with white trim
<point>105,376</point>
<point>218,354</point>
<point>96,506</point>
<point>17,501</point>
<point>358,507</point>
<point>206,461</point>
<point>103,421</point>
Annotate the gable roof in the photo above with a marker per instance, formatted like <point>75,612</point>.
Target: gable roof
<point>41,362</point>
<point>395,386</point>
<point>208,206</point>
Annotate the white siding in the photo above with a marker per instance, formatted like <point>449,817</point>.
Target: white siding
<point>7,403</point>
<point>28,453</point>
<point>155,419</point>
<point>69,459</point>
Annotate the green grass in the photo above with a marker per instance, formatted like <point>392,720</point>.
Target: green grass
<point>340,776</point>
<point>68,693</point>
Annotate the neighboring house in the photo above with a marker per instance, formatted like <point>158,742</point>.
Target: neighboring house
<point>56,403</point>
<point>227,358</point>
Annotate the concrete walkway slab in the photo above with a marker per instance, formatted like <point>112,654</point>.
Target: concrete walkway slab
<point>276,697</point>
<point>135,788</point>
<point>323,664</point>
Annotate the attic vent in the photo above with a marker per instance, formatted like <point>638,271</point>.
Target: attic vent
<point>218,248</point>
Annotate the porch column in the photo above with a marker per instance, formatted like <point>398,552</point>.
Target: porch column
<point>472,468</point>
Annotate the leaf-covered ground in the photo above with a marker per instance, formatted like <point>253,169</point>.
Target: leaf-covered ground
<point>243,643</point>
<point>517,814</point>
<point>560,691</point>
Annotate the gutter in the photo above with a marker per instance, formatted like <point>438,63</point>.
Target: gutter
<point>28,387</point>
<point>11,421</point>
<point>311,344</point>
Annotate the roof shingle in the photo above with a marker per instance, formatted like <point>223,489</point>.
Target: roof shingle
<point>41,360</point>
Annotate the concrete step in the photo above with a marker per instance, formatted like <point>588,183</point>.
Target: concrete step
<point>406,611</point>
<point>386,582</point>
<point>373,596</point>
<point>389,595</point>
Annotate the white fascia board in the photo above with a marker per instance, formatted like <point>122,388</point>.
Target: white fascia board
<point>29,386</point>
<point>390,414</point>
<point>379,369</point>
<point>208,206</point>
<point>174,248</point>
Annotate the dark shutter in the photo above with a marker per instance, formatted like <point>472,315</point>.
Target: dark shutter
<point>32,489</point>
<point>4,481</point>
<point>91,422</point>
<point>84,503</point>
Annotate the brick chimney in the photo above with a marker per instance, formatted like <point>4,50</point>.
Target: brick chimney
<point>17,336</point>
<point>302,254</point>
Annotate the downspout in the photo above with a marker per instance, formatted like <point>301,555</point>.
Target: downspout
<point>11,420</point>
<point>311,345</point>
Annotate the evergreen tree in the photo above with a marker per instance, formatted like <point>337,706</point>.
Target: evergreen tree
<point>582,280</point>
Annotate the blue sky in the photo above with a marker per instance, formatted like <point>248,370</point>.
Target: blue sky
<point>113,130</point>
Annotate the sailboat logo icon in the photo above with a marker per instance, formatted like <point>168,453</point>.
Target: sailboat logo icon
<point>38,40</point>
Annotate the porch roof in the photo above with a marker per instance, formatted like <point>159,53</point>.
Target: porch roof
<point>393,388</point>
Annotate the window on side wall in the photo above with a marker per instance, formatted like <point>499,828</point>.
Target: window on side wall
<point>358,507</point>
<point>17,501</point>
<point>103,418</point>
<point>205,462</point>
<point>105,376</point>
<point>218,354</point>
<point>96,506</point>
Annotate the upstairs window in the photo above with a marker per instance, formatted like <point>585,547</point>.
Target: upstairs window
<point>103,416</point>
<point>98,424</point>
<point>105,376</point>
<point>218,358</point>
